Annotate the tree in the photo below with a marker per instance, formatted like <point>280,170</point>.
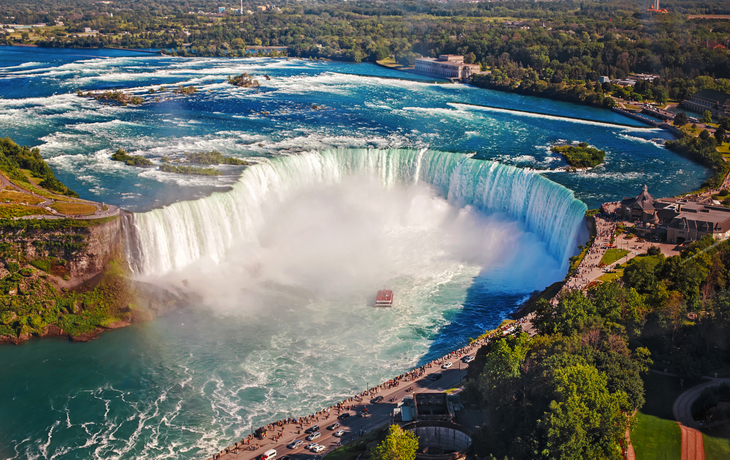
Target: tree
<point>584,419</point>
<point>400,444</point>
<point>706,117</point>
<point>681,119</point>
<point>720,135</point>
<point>569,316</point>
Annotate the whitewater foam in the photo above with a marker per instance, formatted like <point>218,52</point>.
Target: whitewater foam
<point>178,235</point>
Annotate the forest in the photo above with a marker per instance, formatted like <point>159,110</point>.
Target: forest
<point>559,48</point>
<point>571,390</point>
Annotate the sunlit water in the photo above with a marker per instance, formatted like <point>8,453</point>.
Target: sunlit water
<point>286,274</point>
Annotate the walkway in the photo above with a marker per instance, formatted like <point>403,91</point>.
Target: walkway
<point>693,447</point>
<point>6,183</point>
<point>380,414</point>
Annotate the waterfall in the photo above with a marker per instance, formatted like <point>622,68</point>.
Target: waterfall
<point>175,236</point>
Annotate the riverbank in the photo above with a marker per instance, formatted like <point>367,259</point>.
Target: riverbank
<point>450,369</point>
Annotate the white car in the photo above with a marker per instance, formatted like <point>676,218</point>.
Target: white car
<point>318,448</point>
<point>311,446</point>
<point>447,365</point>
<point>340,433</point>
<point>469,358</point>
<point>314,436</point>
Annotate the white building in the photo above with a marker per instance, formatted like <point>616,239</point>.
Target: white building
<point>447,66</point>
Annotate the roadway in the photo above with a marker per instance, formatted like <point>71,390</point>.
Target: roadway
<point>379,415</point>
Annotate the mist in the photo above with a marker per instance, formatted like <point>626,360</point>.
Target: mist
<point>347,240</point>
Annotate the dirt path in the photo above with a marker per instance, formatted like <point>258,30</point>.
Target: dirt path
<point>692,445</point>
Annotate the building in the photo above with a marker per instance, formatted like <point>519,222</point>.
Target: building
<point>682,220</point>
<point>715,46</point>
<point>640,208</point>
<point>221,9</point>
<point>604,79</point>
<point>432,407</point>
<point>447,66</point>
<point>693,221</point>
<point>716,102</point>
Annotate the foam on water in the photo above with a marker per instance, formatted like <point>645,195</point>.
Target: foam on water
<point>178,235</point>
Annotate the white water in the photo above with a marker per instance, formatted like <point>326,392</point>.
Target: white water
<point>177,236</point>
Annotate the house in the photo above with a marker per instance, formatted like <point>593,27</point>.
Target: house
<point>640,208</point>
<point>447,66</point>
<point>604,79</point>
<point>683,219</point>
<point>715,46</point>
<point>221,9</point>
<point>716,102</point>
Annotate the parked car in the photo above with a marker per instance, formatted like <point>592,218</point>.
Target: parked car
<point>314,436</point>
<point>333,426</point>
<point>318,448</point>
<point>436,377</point>
<point>468,358</point>
<point>312,429</point>
<point>343,416</point>
<point>447,365</point>
<point>295,444</point>
<point>340,433</point>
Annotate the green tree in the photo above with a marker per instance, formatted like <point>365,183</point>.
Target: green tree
<point>681,119</point>
<point>400,444</point>
<point>569,316</point>
<point>720,135</point>
<point>584,419</point>
<point>706,117</point>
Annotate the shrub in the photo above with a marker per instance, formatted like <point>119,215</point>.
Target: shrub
<point>13,266</point>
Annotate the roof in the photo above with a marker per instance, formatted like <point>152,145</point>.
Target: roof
<point>718,97</point>
<point>644,200</point>
<point>702,218</point>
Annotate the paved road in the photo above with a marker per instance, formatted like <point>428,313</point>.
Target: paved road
<point>380,415</point>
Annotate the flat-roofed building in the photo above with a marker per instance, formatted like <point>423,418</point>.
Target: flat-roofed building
<point>447,66</point>
<point>694,221</point>
<point>716,102</point>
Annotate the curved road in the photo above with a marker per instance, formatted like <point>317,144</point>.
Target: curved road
<point>380,415</point>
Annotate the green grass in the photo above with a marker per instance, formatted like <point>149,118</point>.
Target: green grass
<point>612,255</point>
<point>8,211</point>
<point>656,438</point>
<point>75,209</point>
<point>655,434</point>
<point>608,277</point>
<point>716,448</point>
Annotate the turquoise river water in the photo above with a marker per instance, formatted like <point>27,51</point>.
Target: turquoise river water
<point>359,180</point>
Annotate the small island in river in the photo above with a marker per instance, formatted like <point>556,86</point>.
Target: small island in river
<point>581,155</point>
<point>179,165</point>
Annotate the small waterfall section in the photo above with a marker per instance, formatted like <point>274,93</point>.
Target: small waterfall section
<point>175,236</point>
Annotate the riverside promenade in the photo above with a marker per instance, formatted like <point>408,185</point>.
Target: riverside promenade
<point>281,433</point>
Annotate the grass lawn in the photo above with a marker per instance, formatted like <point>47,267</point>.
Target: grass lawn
<point>724,148</point>
<point>716,448</point>
<point>8,211</point>
<point>389,62</point>
<point>75,209</point>
<point>617,274</point>
<point>656,438</point>
<point>12,196</point>
<point>351,450</point>
<point>656,435</point>
<point>612,255</point>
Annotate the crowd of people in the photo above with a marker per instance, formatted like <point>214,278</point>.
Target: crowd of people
<point>249,443</point>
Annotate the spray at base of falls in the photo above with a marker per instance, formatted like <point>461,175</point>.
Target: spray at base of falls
<point>176,236</point>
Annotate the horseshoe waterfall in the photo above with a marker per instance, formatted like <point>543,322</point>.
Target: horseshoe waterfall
<point>176,236</point>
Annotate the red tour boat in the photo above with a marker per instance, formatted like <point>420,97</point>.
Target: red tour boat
<point>384,298</point>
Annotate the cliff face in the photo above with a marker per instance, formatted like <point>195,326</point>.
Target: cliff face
<point>77,253</point>
<point>70,278</point>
